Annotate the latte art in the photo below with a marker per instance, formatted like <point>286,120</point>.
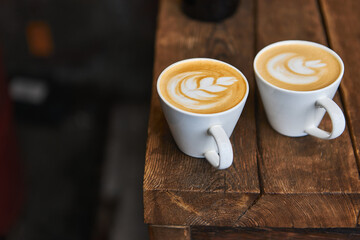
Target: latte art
<point>299,67</point>
<point>294,69</point>
<point>202,86</point>
<point>196,90</point>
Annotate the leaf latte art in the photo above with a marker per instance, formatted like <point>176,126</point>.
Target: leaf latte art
<point>195,90</point>
<point>203,87</point>
<point>294,69</point>
<point>298,66</point>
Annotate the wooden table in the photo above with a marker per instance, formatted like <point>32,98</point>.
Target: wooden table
<point>277,187</point>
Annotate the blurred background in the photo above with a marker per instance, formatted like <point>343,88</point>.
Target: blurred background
<point>75,82</point>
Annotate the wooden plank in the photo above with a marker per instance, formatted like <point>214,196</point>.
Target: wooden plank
<point>157,232</point>
<point>306,182</point>
<point>194,208</point>
<point>181,190</point>
<point>312,210</point>
<point>213,233</point>
<point>342,19</point>
<point>306,164</point>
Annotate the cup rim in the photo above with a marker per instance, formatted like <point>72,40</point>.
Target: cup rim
<point>201,114</point>
<point>329,50</point>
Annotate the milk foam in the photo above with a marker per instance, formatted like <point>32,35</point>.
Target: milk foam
<point>298,66</point>
<point>202,86</point>
<point>199,91</point>
<point>294,69</point>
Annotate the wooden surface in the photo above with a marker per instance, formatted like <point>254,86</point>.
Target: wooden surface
<point>275,181</point>
<point>344,31</point>
<point>169,232</point>
<point>211,233</point>
<point>180,189</point>
<point>307,182</point>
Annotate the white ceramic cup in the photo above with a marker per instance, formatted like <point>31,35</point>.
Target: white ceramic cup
<point>203,135</point>
<point>298,113</point>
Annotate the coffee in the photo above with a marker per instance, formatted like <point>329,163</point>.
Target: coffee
<point>202,86</point>
<point>298,66</point>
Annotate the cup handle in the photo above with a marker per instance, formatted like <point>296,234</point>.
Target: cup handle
<point>224,158</point>
<point>336,116</point>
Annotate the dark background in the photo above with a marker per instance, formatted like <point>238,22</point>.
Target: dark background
<point>82,147</point>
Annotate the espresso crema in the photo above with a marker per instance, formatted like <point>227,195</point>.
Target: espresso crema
<point>202,86</point>
<point>298,67</point>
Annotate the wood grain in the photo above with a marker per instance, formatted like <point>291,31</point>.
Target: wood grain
<point>306,182</point>
<point>169,232</point>
<point>275,181</point>
<point>181,190</point>
<point>342,19</point>
<point>214,233</point>
<point>328,210</point>
<point>194,208</point>
<point>305,164</point>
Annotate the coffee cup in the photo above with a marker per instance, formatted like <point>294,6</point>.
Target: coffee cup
<point>202,100</point>
<point>297,81</point>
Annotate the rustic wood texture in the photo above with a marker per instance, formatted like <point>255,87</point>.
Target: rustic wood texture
<point>304,164</point>
<point>211,233</point>
<point>157,232</point>
<point>328,210</point>
<point>180,190</point>
<point>307,182</point>
<point>278,181</point>
<point>342,19</point>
